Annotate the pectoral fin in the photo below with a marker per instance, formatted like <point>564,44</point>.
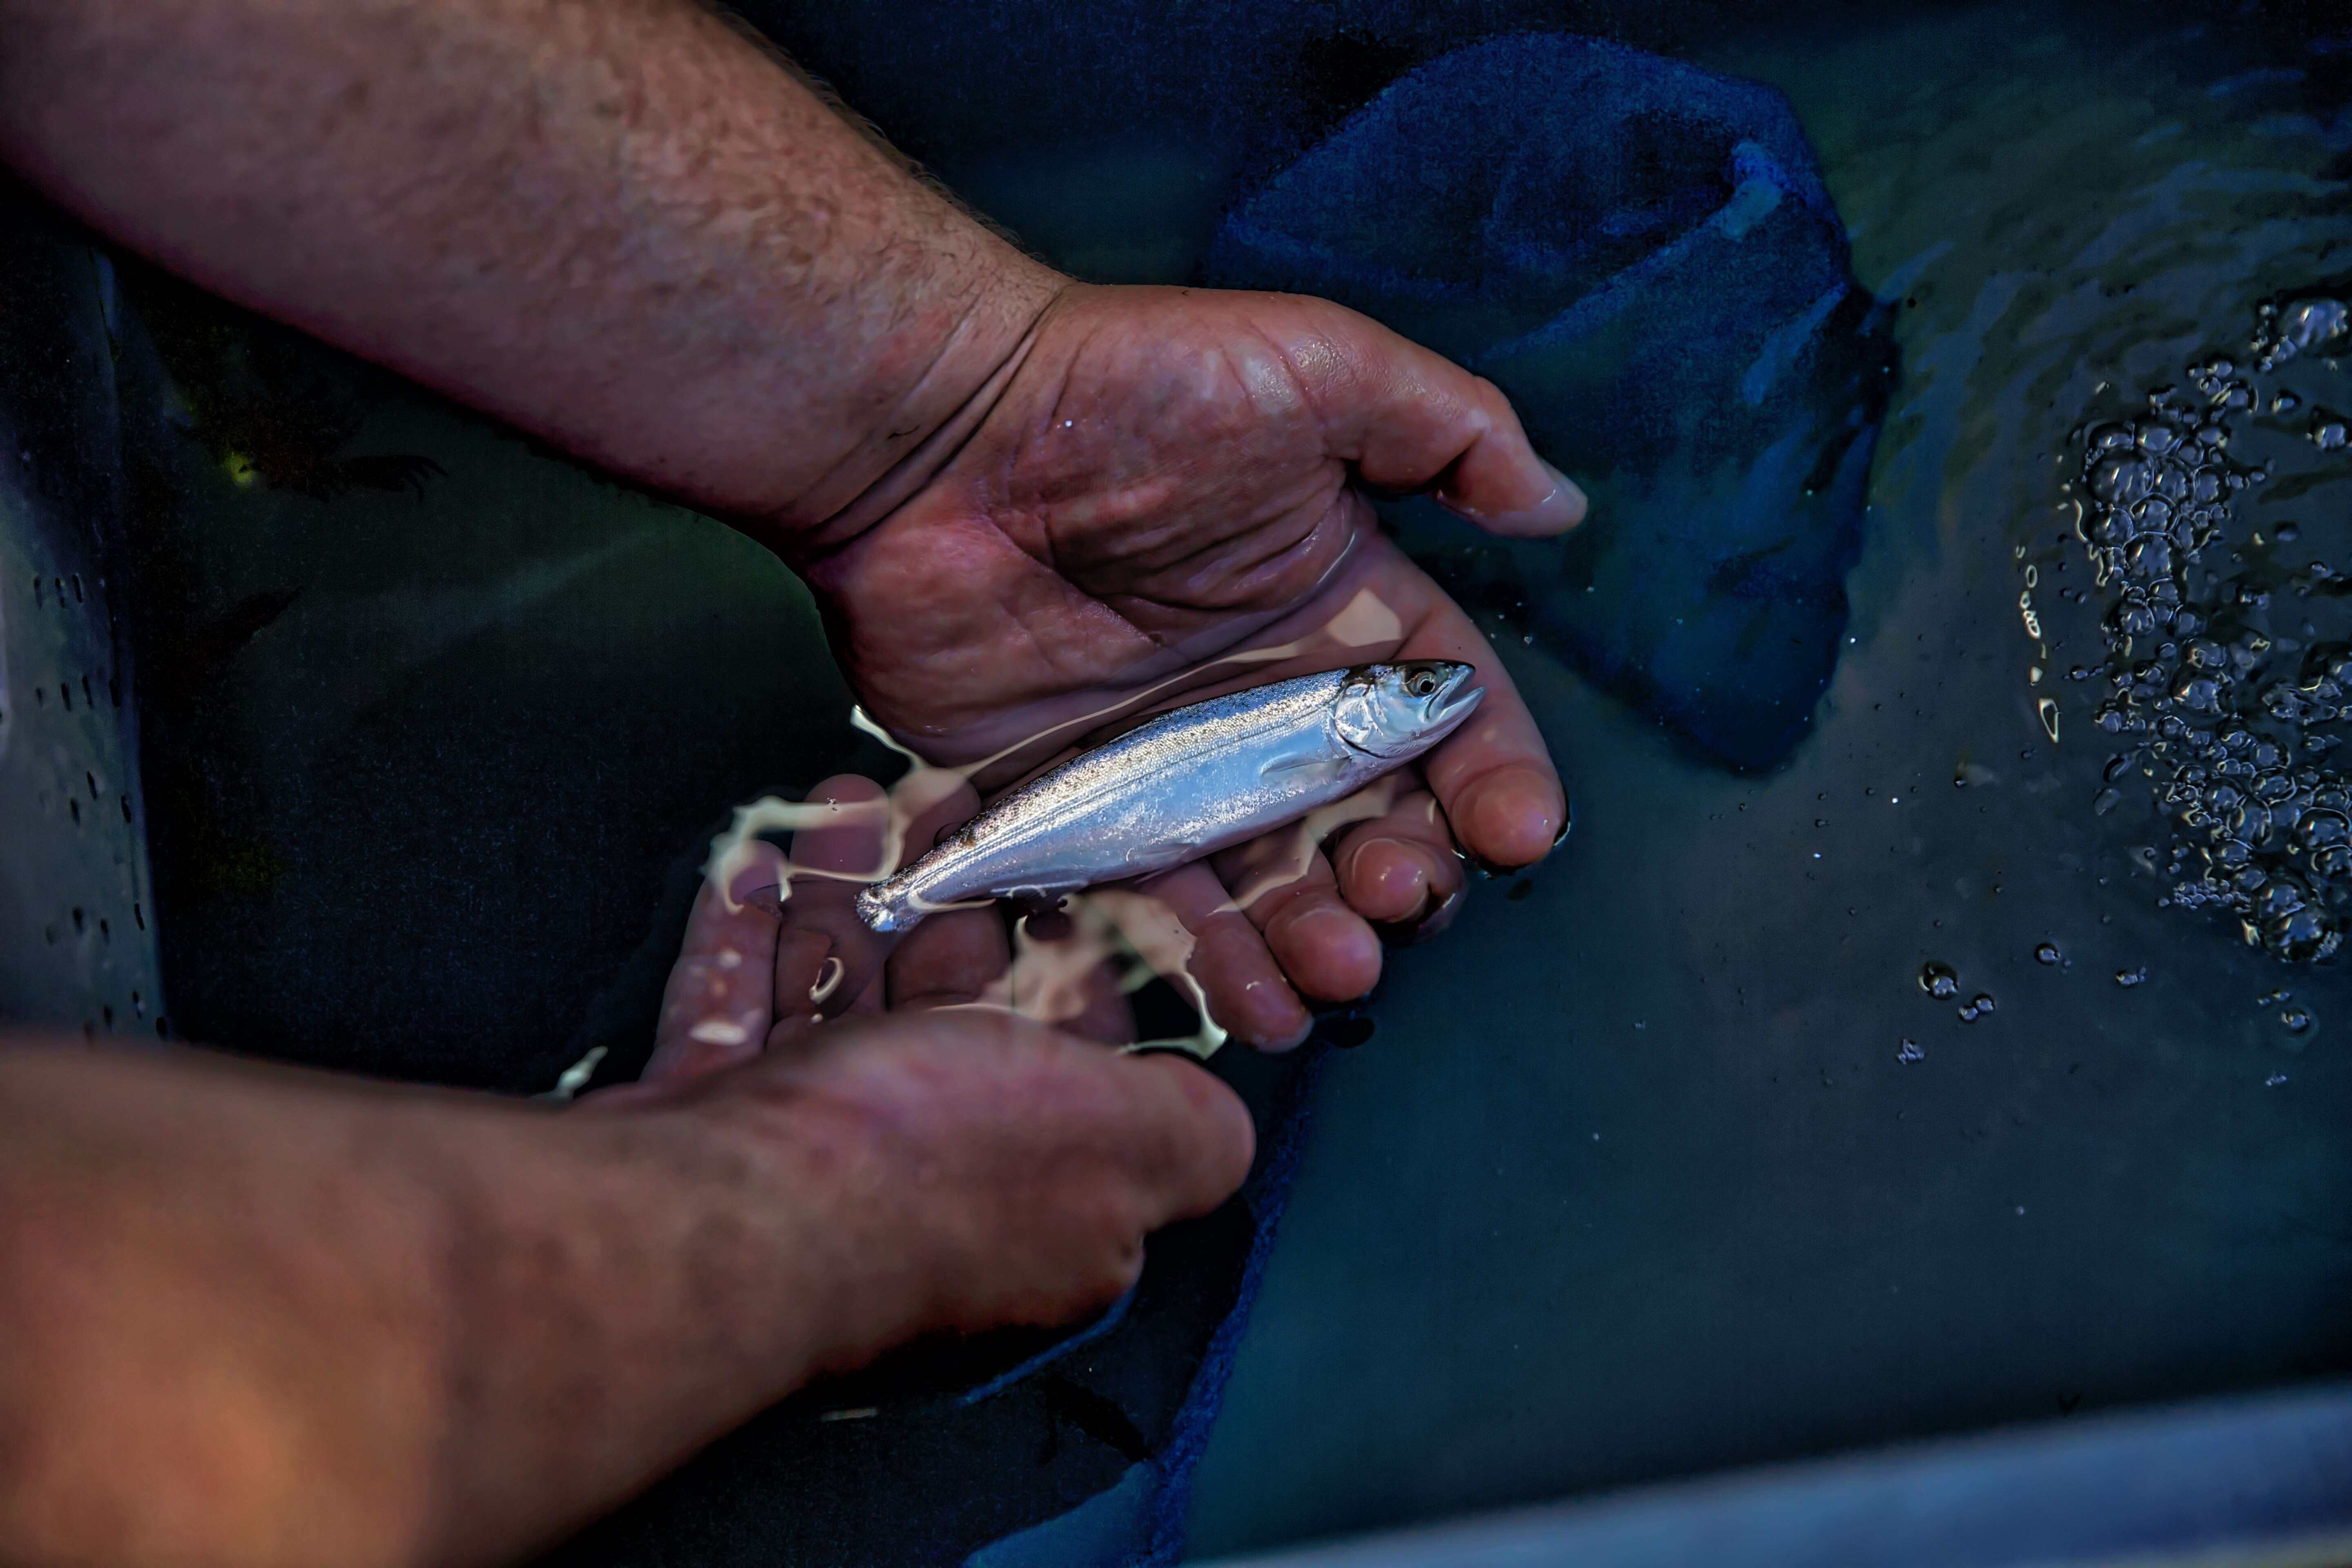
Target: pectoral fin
<point>1298,770</point>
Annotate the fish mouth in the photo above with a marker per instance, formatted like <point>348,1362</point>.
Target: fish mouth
<point>1450,703</point>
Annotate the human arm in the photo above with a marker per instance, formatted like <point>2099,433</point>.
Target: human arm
<point>618,225</point>
<point>261,1316</point>
<point>1020,501</point>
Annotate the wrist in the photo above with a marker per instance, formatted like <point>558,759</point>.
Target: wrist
<point>695,1247</point>
<point>772,1179</point>
<point>961,343</point>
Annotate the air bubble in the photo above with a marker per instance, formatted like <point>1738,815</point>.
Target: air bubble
<point>2229,726</point>
<point>2298,327</point>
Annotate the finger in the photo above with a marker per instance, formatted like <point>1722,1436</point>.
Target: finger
<point>873,998</point>
<point>805,974</point>
<point>1107,1018</point>
<point>718,1006</point>
<point>826,905</point>
<point>1493,777</point>
<point>1196,1142</point>
<point>950,959</point>
<point>1289,894</point>
<point>1400,872</point>
<point>1063,973</point>
<point>1411,420</point>
<point>1230,962</point>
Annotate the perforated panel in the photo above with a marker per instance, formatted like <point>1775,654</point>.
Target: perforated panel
<point>77,944</point>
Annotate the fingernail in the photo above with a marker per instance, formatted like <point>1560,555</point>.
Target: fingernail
<point>1566,493</point>
<point>1291,1041</point>
<point>1560,510</point>
<point>1504,815</point>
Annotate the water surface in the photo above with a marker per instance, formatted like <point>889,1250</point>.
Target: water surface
<point>1668,1161</point>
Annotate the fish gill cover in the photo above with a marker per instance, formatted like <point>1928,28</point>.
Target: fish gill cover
<point>1642,256</point>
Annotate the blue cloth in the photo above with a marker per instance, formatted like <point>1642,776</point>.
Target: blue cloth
<point>1642,256</point>
<point>1140,1522</point>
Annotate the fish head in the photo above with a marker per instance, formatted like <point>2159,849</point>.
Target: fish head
<point>1402,710</point>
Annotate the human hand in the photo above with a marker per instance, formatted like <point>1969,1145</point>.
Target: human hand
<point>959,1168</point>
<point>1156,480</point>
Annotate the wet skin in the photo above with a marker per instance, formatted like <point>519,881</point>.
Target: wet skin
<point>1019,497</point>
<point>405,1326</point>
<point>269,1317</point>
<point>1167,476</point>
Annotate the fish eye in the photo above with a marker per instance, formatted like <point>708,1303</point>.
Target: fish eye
<point>1421,683</point>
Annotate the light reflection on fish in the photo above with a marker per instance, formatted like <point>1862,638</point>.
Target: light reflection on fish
<point>1187,784</point>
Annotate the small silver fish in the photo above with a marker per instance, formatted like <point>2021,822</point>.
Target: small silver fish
<point>1187,784</point>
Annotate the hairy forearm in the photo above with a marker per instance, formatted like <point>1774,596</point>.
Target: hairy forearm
<point>260,1316</point>
<point>620,225</point>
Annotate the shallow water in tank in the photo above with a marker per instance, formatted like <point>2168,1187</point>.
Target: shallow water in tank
<point>1896,1092</point>
<point>1678,1153</point>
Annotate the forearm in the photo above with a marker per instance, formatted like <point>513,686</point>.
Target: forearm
<point>258,1316</point>
<point>619,224</point>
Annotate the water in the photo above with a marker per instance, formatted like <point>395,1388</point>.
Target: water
<point>2119,1185</point>
<point>2226,659</point>
<point>1671,1155</point>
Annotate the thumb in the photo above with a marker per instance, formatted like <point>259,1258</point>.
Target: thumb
<point>1409,419</point>
<point>1191,1142</point>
